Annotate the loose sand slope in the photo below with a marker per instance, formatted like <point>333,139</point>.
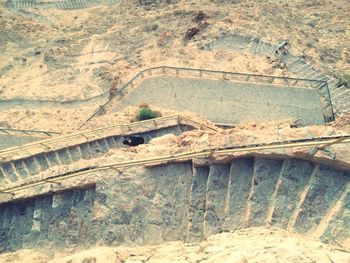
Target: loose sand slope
<point>249,245</point>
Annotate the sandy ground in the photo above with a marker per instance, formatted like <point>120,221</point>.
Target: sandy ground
<point>51,54</point>
<point>64,55</point>
<point>67,55</point>
<point>243,246</point>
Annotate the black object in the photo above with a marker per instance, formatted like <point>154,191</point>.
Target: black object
<point>134,141</point>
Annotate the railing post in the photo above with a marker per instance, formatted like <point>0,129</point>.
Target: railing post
<point>177,72</point>
<point>329,100</point>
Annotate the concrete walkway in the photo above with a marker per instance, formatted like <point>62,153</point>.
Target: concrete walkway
<point>228,102</point>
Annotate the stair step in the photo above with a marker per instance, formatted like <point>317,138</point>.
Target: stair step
<point>59,5</point>
<point>296,64</point>
<point>216,199</point>
<point>74,153</point>
<point>52,159</point>
<point>9,171</point>
<point>32,165</point>
<point>300,68</point>
<point>258,47</point>
<point>44,165</point>
<point>95,148</point>
<point>20,168</point>
<point>313,75</point>
<point>253,44</point>
<point>3,178</point>
<point>103,145</point>
<point>338,229</point>
<point>266,173</point>
<point>111,143</point>
<point>336,90</point>
<point>85,151</point>
<point>342,95</point>
<point>197,204</point>
<point>305,72</point>
<point>64,156</point>
<point>294,177</point>
<point>323,192</point>
<point>241,175</point>
<point>289,58</point>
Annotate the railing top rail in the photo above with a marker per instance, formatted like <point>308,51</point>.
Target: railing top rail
<point>30,131</point>
<point>216,71</point>
<point>235,73</point>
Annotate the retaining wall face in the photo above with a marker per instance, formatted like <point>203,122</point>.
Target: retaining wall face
<point>145,206</point>
<point>142,206</point>
<point>181,202</point>
<point>56,220</point>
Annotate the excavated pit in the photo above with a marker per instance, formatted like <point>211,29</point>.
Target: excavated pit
<point>182,202</point>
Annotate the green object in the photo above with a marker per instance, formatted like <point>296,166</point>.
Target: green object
<point>146,114</point>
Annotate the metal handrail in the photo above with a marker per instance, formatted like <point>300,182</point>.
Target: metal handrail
<point>28,132</point>
<point>320,141</point>
<point>164,70</point>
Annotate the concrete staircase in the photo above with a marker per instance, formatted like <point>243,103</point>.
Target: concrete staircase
<point>340,94</point>
<point>183,202</point>
<point>291,194</point>
<point>20,169</point>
